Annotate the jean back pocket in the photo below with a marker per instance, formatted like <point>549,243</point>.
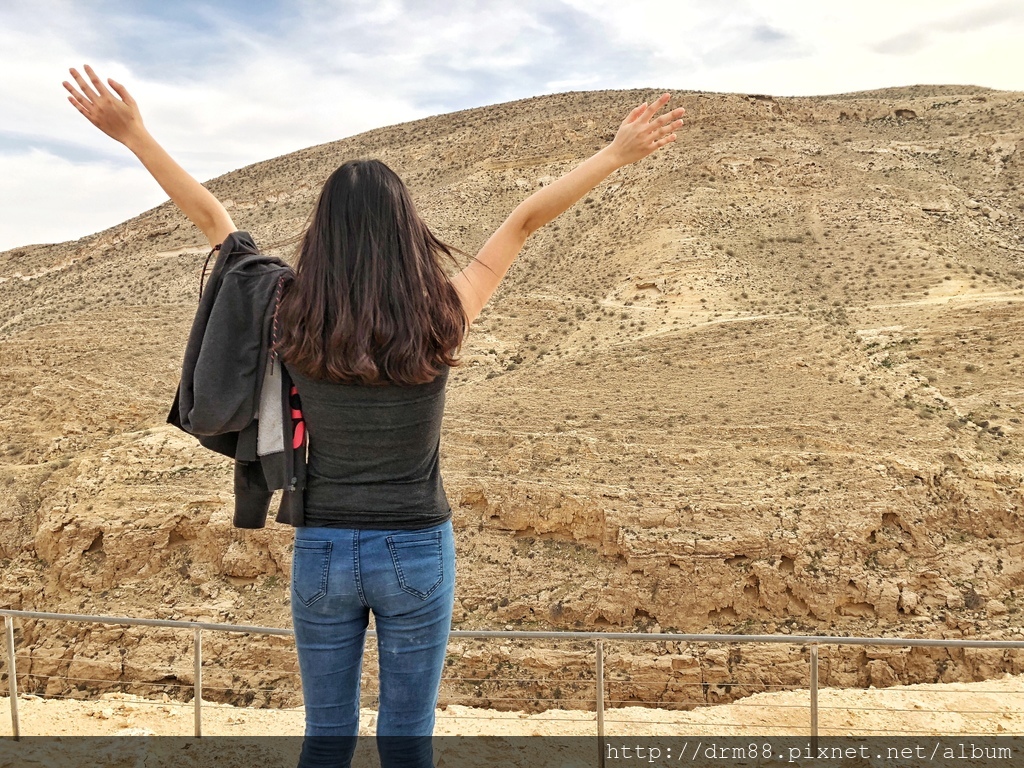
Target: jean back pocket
<point>311,562</point>
<point>419,562</point>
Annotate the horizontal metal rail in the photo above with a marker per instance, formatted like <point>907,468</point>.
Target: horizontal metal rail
<point>482,634</point>
<point>598,638</point>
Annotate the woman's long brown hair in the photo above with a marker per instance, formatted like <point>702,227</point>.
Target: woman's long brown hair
<point>370,302</point>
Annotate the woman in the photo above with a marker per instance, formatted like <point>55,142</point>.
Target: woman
<point>368,330</point>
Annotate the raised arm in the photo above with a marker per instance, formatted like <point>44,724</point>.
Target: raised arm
<point>640,134</point>
<point>118,117</point>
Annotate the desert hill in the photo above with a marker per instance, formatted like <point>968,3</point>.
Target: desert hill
<point>768,380</point>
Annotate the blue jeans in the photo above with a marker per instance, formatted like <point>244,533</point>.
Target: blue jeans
<point>407,578</point>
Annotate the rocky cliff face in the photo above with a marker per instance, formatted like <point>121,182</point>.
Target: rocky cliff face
<point>767,381</point>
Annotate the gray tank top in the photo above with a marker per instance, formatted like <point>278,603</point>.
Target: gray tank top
<point>373,456</point>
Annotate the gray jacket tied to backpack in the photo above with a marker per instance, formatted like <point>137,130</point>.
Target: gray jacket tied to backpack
<point>235,396</point>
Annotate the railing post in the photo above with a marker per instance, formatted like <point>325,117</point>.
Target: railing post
<point>12,678</point>
<point>600,703</point>
<point>814,697</point>
<point>197,680</point>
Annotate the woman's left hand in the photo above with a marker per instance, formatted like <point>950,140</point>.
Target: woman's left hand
<point>119,118</point>
<point>641,133</point>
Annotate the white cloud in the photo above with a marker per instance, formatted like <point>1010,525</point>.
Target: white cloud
<point>35,58</point>
<point>221,91</point>
<point>826,47</point>
<point>48,199</point>
<point>274,99</point>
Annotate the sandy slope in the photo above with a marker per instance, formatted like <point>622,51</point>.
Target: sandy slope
<point>990,707</point>
<point>767,382</point>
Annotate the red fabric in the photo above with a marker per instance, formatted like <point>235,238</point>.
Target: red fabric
<point>298,423</point>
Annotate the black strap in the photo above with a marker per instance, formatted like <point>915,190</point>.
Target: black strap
<point>202,278</point>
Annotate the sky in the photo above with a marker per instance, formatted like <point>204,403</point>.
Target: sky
<point>225,84</point>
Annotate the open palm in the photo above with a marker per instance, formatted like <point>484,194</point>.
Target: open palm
<point>116,115</point>
<point>641,133</point>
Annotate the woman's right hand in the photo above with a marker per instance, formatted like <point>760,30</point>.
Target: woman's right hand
<point>641,133</point>
<point>119,118</point>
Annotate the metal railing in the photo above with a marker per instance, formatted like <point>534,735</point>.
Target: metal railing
<point>598,638</point>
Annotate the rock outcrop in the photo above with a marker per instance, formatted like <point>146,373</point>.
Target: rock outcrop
<point>766,381</point>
